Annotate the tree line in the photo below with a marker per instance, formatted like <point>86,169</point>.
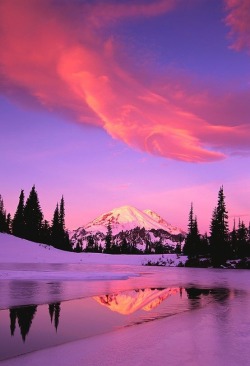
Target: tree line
<point>29,223</point>
<point>222,244</point>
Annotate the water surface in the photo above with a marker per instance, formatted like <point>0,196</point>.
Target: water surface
<point>37,314</point>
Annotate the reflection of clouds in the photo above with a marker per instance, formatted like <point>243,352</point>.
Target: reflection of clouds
<point>130,301</point>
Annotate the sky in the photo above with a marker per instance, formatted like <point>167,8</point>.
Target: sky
<point>112,103</point>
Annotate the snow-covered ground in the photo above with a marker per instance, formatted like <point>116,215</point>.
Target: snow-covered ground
<point>16,250</point>
<point>215,334</point>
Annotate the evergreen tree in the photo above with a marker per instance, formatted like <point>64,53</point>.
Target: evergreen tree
<point>3,218</point>
<point>90,247</point>
<point>108,239</point>
<point>62,214</point>
<point>219,232</point>
<point>124,246</point>
<point>33,217</point>
<point>242,236</point>
<point>204,245</point>
<point>59,236</point>
<point>234,242</point>
<point>45,232</point>
<point>8,224</point>
<point>56,233</point>
<point>192,246</point>
<point>78,247</point>
<point>18,220</point>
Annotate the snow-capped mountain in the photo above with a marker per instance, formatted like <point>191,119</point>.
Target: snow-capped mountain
<point>174,230</point>
<point>130,301</point>
<point>127,218</point>
<point>138,228</point>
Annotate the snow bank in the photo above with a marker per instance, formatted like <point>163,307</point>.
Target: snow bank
<point>16,250</point>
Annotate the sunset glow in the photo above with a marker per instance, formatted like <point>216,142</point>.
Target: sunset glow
<point>115,102</point>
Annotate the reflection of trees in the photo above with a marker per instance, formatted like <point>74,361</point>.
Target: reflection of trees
<point>195,295</point>
<point>54,312</point>
<point>24,315</point>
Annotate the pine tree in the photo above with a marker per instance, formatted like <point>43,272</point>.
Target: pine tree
<point>18,220</point>
<point>45,232</point>
<point>59,236</point>
<point>56,235</point>
<point>78,247</point>
<point>8,224</point>
<point>33,217</point>
<point>90,247</point>
<point>108,239</point>
<point>219,232</point>
<point>234,242</point>
<point>242,236</point>
<point>192,246</point>
<point>62,214</point>
<point>3,218</point>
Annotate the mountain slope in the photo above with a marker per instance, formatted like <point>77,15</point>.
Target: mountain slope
<point>122,219</point>
<point>138,230</point>
<point>174,230</point>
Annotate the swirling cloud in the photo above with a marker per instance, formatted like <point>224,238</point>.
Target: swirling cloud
<point>59,56</point>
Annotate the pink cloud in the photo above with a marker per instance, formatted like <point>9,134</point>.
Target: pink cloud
<point>66,65</point>
<point>238,19</point>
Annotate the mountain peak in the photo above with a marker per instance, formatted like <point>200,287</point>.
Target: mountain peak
<point>126,218</point>
<point>122,218</point>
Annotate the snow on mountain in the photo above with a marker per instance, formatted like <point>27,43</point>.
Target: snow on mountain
<point>174,230</point>
<point>130,301</point>
<point>127,218</point>
<point>123,219</point>
<point>139,228</point>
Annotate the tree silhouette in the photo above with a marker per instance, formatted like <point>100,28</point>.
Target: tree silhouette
<point>18,220</point>
<point>3,218</point>
<point>24,315</point>
<point>54,311</point>
<point>33,217</point>
<point>59,236</point>
<point>242,238</point>
<point>192,246</point>
<point>13,317</point>
<point>108,239</point>
<point>219,234</point>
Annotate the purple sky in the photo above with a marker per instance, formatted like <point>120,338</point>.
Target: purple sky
<point>139,102</point>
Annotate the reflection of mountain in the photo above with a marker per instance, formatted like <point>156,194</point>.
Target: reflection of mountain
<point>24,315</point>
<point>128,302</point>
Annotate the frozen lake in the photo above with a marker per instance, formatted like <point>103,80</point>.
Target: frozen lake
<point>104,299</point>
